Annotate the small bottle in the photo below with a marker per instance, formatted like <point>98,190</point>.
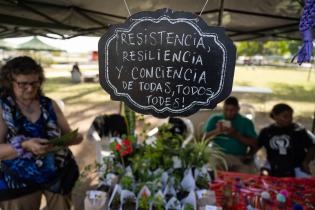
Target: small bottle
<point>227,196</point>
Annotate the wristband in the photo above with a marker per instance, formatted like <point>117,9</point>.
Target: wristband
<point>16,143</point>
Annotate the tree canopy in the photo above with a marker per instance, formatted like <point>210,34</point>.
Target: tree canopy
<point>250,48</point>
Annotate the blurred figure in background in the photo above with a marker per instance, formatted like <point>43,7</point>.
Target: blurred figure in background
<point>76,74</point>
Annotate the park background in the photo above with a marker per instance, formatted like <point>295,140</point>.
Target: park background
<point>261,66</point>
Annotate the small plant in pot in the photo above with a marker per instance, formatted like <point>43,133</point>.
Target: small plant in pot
<point>181,194</point>
<point>129,203</point>
<point>116,202</point>
<point>144,202</point>
<point>173,204</point>
<point>158,202</point>
<point>202,182</point>
<point>126,182</point>
<point>188,206</point>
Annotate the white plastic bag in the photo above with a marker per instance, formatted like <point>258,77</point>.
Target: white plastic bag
<point>95,200</point>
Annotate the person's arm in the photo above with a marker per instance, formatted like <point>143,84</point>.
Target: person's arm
<point>248,141</point>
<point>6,150</point>
<point>259,143</point>
<point>64,125</point>
<point>213,133</point>
<point>212,129</point>
<point>310,155</point>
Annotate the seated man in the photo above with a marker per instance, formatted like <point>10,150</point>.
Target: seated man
<point>289,145</point>
<point>233,133</point>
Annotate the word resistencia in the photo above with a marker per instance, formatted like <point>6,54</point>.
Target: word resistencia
<point>162,38</point>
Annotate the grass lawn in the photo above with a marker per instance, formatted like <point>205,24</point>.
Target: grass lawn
<point>288,86</point>
<point>84,93</point>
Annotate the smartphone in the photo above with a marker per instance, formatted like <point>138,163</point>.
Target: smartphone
<point>226,123</point>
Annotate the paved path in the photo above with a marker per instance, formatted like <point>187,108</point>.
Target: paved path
<point>58,74</point>
<point>68,73</point>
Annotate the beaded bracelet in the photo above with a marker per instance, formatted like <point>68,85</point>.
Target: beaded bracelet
<point>16,143</point>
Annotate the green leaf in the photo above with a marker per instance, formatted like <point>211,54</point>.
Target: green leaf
<point>64,139</point>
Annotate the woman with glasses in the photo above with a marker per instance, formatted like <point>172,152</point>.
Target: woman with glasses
<point>30,166</point>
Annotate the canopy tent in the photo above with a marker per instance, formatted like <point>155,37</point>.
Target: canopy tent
<point>36,45</point>
<point>4,45</point>
<point>242,19</point>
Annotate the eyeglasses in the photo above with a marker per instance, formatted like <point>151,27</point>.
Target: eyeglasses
<point>24,85</point>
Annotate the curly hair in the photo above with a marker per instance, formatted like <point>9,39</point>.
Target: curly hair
<point>20,65</point>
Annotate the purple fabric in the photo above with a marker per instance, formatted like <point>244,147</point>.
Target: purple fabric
<point>306,24</point>
<point>16,143</point>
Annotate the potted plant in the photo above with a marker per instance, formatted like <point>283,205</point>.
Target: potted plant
<point>173,204</point>
<point>129,203</point>
<point>126,182</point>
<point>188,206</point>
<point>158,202</point>
<point>115,204</point>
<point>202,182</point>
<point>144,202</point>
<point>181,194</point>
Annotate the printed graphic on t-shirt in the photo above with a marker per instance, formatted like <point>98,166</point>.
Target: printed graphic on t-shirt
<point>280,143</point>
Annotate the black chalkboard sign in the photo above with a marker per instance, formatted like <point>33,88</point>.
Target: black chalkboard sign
<point>166,63</point>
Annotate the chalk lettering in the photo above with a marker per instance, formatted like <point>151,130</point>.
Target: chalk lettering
<point>125,56</point>
<point>200,43</point>
<point>193,90</point>
<point>162,38</point>
<point>168,88</point>
<point>119,70</point>
<point>127,85</point>
<point>186,40</point>
<point>139,39</point>
<point>131,38</point>
<point>176,104</point>
<point>151,87</point>
<point>166,54</point>
<point>170,38</point>
<point>202,78</point>
<point>123,39</point>
<point>164,64</point>
<point>159,101</point>
<point>168,73</point>
<point>163,55</point>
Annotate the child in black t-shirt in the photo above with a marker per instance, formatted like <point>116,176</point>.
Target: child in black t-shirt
<point>287,144</point>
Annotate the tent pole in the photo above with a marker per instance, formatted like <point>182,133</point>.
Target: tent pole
<point>121,107</point>
<point>221,13</point>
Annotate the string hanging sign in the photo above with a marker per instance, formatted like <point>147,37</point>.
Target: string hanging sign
<point>166,63</point>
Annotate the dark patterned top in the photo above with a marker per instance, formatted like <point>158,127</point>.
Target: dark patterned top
<point>38,170</point>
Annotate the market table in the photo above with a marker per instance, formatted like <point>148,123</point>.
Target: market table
<point>237,191</point>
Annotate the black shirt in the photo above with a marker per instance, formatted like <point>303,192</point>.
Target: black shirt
<point>286,147</point>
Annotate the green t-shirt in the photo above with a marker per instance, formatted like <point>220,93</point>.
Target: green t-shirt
<point>230,145</point>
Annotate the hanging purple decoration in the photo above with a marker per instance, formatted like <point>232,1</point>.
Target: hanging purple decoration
<point>306,24</point>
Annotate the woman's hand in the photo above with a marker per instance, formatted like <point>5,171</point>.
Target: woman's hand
<point>37,146</point>
<point>77,140</point>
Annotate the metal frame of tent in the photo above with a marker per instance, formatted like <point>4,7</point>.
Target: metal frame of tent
<point>52,23</point>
